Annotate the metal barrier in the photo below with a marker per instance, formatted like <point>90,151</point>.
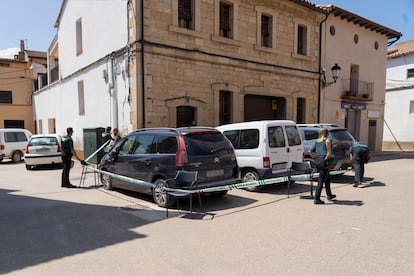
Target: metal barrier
<point>261,182</point>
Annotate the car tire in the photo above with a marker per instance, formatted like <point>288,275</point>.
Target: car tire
<point>28,167</point>
<point>16,156</point>
<point>161,198</point>
<point>250,175</point>
<point>106,181</point>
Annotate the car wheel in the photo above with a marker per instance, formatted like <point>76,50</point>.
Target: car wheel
<point>106,181</point>
<point>28,167</point>
<point>248,176</point>
<point>161,198</point>
<point>17,156</point>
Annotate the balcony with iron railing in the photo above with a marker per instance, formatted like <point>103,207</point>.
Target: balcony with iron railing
<point>357,90</point>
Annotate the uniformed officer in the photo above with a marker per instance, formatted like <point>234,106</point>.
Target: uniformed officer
<point>359,154</point>
<point>67,153</point>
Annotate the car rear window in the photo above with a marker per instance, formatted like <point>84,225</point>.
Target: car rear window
<point>205,143</point>
<point>43,141</point>
<point>310,134</point>
<point>341,135</point>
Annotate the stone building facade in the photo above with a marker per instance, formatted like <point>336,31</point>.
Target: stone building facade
<point>211,62</point>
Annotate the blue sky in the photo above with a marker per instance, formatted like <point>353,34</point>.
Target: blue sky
<point>33,20</point>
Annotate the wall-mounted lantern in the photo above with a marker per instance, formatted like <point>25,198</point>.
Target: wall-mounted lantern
<point>336,69</point>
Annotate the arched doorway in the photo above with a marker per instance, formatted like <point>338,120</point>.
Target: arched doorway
<point>186,116</point>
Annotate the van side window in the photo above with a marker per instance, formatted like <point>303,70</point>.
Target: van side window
<point>293,136</point>
<point>166,144</point>
<point>249,139</point>
<point>243,139</point>
<point>17,136</point>
<point>276,137</point>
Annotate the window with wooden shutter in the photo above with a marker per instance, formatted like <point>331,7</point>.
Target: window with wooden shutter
<point>225,107</point>
<point>266,31</point>
<point>225,20</point>
<point>185,14</point>
<point>302,43</point>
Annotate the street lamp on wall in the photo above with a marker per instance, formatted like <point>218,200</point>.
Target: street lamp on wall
<point>336,69</point>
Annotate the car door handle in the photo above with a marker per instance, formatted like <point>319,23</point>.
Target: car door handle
<point>147,163</point>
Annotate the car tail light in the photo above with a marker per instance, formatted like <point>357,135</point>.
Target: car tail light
<point>181,158</point>
<point>1,147</point>
<point>266,162</point>
<point>27,148</point>
<point>59,148</point>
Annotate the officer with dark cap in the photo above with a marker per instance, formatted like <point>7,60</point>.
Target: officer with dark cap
<point>67,153</point>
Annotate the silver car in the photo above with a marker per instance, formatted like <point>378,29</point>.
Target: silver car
<point>341,142</point>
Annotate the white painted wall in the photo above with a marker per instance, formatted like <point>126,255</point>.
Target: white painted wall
<point>397,103</point>
<point>104,31</point>
<point>342,49</point>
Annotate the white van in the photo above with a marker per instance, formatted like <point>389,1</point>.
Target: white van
<point>264,149</point>
<point>13,143</point>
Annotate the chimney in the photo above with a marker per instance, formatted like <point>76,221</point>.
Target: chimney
<point>21,53</point>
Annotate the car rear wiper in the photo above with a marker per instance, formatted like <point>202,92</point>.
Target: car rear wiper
<point>217,149</point>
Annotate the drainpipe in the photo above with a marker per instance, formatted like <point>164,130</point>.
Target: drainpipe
<point>114,93</point>
<point>142,65</point>
<point>320,66</point>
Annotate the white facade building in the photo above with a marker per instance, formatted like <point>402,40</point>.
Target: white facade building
<point>399,98</point>
<point>88,71</point>
<point>356,99</point>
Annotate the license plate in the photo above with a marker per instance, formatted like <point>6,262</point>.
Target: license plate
<point>215,173</point>
<point>43,150</point>
<point>279,166</point>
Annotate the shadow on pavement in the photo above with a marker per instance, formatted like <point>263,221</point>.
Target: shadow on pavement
<point>372,184</point>
<point>210,204</point>
<point>348,202</point>
<point>35,230</point>
<point>384,156</point>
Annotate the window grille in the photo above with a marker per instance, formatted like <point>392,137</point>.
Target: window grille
<point>184,10</point>
<point>265,25</point>
<point>6,97</point>
<point>225,19</point>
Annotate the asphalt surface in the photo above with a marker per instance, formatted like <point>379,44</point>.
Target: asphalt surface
<point>48,230</point>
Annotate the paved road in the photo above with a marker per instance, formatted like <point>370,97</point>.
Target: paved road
<point>47,230</point>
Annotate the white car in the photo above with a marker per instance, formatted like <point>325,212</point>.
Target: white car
<point>43,149</point>
<point>12,143</point>
<point>264,149</point>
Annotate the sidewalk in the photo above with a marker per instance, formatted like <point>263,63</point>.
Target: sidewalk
<point>386,155</point>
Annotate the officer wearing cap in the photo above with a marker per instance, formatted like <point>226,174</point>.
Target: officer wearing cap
<point>67,153</point>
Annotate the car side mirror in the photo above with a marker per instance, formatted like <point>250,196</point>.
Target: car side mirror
<point>113,154</point>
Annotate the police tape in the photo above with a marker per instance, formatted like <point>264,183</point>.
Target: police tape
<point>261,182</point>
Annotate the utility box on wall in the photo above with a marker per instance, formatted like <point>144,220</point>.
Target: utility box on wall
<point>92,140</point>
